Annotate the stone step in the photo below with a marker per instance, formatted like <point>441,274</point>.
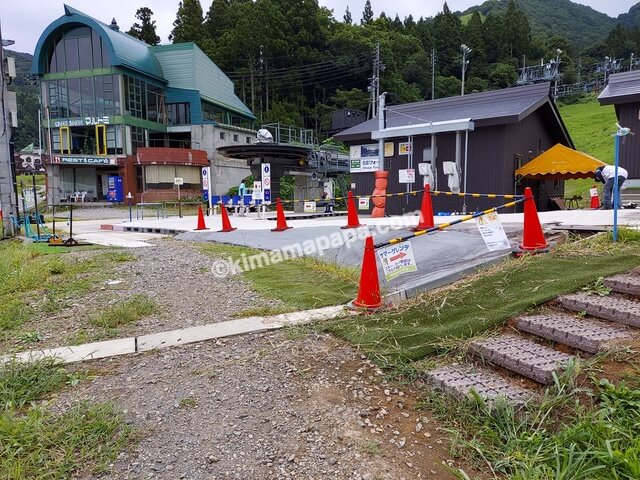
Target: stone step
<point>522,356</point>
<point>584,334</point>
<point>616,309</point>
<point>459,380</point>
<point>624,283</point>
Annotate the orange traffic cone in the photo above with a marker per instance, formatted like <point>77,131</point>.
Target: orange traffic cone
<point>369,290</point>
<point>201,224</point>
<point>226,224</point>
<point>426,211</point>
<point>281,221</point>
<point>595,199</point>
<point>352,213</point>
<point>532,239</point>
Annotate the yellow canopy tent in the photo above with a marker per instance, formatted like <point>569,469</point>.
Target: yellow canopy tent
<point>560,163</point>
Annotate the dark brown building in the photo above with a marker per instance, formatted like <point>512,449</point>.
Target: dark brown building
<point>472,142</point>
<point>623,91</point>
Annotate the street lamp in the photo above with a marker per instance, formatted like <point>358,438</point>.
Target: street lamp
<point>129,197</point>
<point>465,63</point>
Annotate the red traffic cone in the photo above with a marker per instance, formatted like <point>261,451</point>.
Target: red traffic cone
<point>426,211</point>
<point>595,199</point>
<point>281,221</point>
<point>369,290</point>
<point>532,238</point>
<point>226,224</point>
<point>352,213</point>
<point>201,224</point>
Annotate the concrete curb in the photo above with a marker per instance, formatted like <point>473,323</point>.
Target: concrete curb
<point>172,338</point>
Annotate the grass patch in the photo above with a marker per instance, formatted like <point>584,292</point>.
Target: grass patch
<point>556,437</point>
<point>36,443</point>
<point>590,127</point>
<point>37,278</point>
<point>22,383</point>
<point>83,440</point>
<point>485,300</point>
<point>125,312</point>
<point>299,283</point>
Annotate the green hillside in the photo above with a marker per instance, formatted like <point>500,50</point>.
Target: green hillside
<point>590,127</point>
<point>581,25</point>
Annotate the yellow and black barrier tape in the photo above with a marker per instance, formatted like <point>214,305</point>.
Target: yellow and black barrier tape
<point>413,193</point>
<point>442,226</point>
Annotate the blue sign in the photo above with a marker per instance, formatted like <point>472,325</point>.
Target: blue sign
<point>115,191</point>
<point>267,196</point>
<point>266,182</point>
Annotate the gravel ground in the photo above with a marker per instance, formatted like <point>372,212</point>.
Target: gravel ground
<point>174,274</point>
<point>266,406</point>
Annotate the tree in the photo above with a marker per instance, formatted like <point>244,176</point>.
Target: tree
<point>347,16</point>
<point>146,29</point>
<point>188,26</point>
<point>516,31</point>
<point>447,37</point>
<point>367,14</point>
<point>473,37</point>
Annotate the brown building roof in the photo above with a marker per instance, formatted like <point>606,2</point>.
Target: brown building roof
<point>510,105</point>
<point>622,88</point>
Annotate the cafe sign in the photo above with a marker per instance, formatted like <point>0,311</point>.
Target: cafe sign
<point>82,122</point>
<point>78,160</point>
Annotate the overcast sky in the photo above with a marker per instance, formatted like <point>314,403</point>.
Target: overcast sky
<point>24,20</point>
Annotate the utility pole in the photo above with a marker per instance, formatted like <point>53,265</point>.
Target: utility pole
<point>465,63</point>
<point>433,74</point>
<point>7,200</point>
<point>374,86</point>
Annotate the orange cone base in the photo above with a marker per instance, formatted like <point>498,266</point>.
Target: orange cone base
<point>226,223</point>
<point>203,228</point>
<point>280,229</point>
<point>201,224</point>
<point>225,230</point>
<point>369,296</point>
<point>354,226</point>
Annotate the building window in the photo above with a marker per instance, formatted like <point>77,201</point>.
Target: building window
<point>178,114</point>
<point>78,48</point>
<point>158,177</point>
<point>235,137</point>
<point>135,92</point>
<point>213,114</point>
<point>222,135</point>
<point>137,139</point>
<point>139,182</point>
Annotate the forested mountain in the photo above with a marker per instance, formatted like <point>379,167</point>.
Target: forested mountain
<point>632,18</point>
<point>580,24</point>
<point>295,62</point>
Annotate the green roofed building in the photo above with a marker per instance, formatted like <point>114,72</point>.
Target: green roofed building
<point>119,111</point>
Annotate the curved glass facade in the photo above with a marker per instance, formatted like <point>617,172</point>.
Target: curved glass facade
<point>79,48</point>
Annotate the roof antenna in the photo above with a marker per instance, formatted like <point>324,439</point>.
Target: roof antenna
<point>114,25</point>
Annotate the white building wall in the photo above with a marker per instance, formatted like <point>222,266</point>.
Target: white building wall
<point>225,172</point>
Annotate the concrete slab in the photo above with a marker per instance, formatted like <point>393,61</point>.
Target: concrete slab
<point>522,356</point>
<point>79,353</point>
<point>115,239</point>
<point>584,334</point>
<point>625,283</point>
<point>616,309</point>
<point>461,380</point>
<point>234,327</point>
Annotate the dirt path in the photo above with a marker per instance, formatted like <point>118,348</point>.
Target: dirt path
<point>267,406</point>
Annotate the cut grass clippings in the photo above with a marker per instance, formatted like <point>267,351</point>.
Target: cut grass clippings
<point>484,301</point>
<point>36,443</point>
<point>300,283</point>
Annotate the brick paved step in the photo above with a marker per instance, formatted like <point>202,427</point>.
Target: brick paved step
<point>585,334</point>
<point>459,380</point>
<point>624,284</point>
<point>522,356</point>
<point>612,308</point>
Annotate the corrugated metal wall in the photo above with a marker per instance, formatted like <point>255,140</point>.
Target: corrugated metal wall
<point>629,116</point>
